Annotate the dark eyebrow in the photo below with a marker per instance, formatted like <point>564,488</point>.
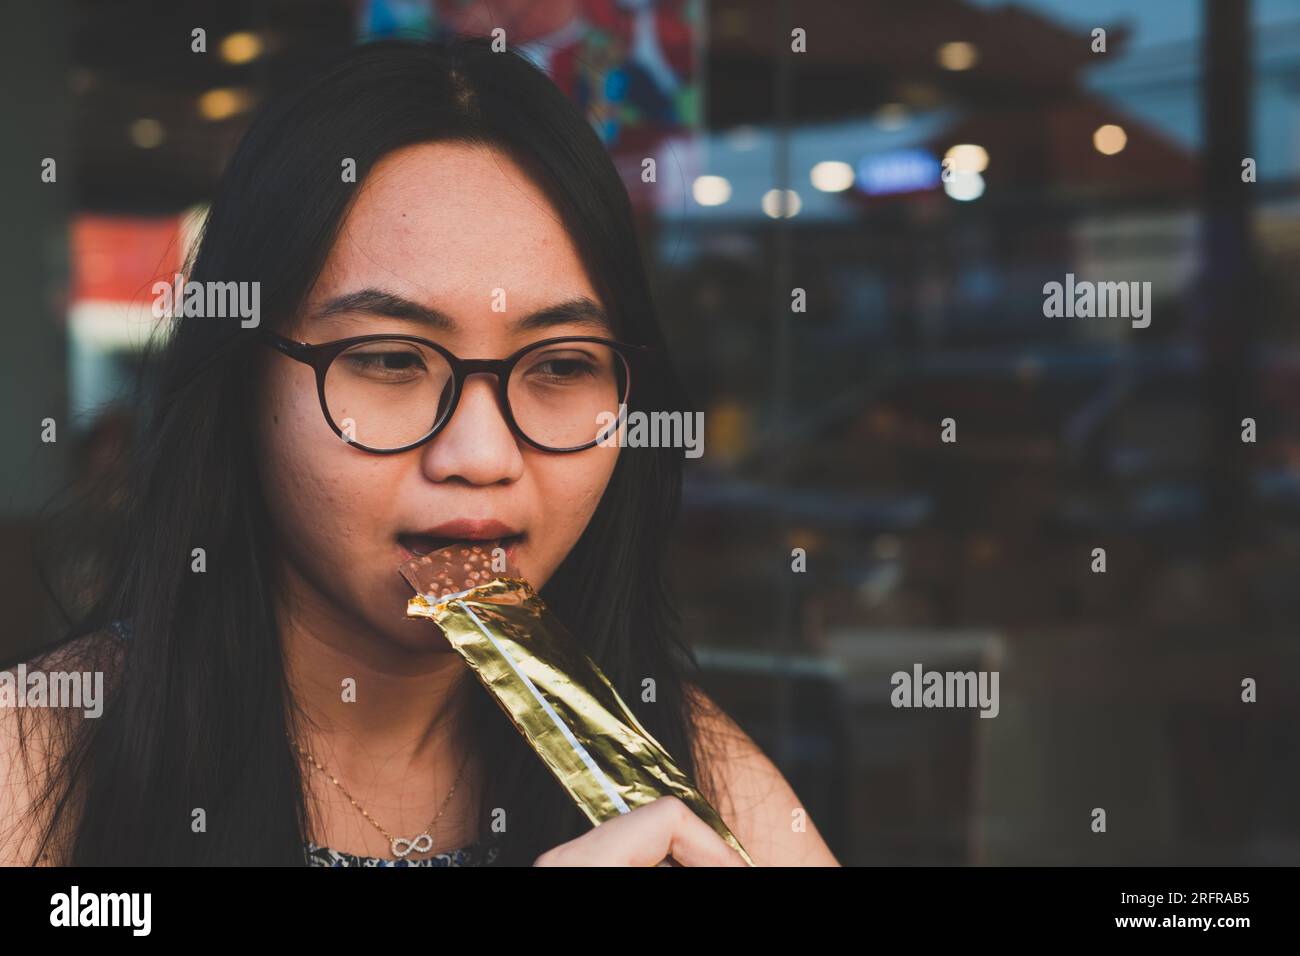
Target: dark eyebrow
<point>579,310</point>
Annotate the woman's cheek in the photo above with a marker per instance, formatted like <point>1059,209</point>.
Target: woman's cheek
<point>311,486</point>
<point>574,497</point>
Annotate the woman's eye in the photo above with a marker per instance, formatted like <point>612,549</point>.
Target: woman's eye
<point>384,364</point>
<point>562,369</point>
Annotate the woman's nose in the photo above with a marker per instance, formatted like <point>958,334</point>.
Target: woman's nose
<point>477,445</point>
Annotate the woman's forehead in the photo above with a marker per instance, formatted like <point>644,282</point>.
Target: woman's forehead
<point>460,227</point>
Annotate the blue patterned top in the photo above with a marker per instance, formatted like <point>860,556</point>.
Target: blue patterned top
<point>480,853</point>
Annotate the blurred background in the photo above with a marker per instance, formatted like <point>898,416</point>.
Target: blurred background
<point>1113,157</point>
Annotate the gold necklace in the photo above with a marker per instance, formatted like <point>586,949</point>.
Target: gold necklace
<point>401,846</point>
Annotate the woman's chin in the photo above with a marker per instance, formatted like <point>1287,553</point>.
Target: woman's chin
<point>419,636</point>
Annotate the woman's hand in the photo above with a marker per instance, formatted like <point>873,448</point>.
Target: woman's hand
<point>644,837</point>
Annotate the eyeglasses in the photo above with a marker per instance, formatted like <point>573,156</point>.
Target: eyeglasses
<point>391,393</point>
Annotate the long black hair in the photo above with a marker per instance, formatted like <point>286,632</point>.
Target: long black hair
<point>199,703</point>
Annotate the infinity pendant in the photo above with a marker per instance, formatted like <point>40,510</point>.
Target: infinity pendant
<point>403,847</point>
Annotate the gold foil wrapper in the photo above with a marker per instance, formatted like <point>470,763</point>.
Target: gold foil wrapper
<point>551,689</point>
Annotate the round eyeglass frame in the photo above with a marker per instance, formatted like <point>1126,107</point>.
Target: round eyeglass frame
<point>320,356</point>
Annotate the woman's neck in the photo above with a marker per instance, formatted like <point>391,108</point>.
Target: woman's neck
<point>366,697</point>
<point>380,719</point>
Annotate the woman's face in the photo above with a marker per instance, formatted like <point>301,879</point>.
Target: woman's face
<point>462,230</point>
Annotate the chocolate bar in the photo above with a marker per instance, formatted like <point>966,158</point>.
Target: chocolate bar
<point>553,692</point>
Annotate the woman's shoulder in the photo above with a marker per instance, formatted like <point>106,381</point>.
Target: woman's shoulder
<point>750,793</point>
<point>33,739</point>
<point>718,743</point>
<point>102,651</point>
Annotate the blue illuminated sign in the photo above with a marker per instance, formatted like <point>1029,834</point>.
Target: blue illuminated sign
<point>898,171</point>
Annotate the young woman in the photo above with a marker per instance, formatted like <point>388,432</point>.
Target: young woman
<point>270,702</point>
